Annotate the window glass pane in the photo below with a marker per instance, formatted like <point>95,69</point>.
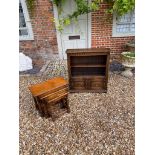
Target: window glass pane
<point>22,22</point>
<point>123,28</point>
<point>23,32</point>
<point>124,19</point>
<point>126,23</point>
<point>133,28</point>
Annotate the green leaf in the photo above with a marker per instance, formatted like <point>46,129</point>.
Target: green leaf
<point>121,7</point>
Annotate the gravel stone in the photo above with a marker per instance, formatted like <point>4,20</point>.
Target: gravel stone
<point>98,124</point>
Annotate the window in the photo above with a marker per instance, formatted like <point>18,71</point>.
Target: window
<point>25,28</point>
<point>124,25</point>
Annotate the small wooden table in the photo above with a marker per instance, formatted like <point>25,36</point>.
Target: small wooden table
<point>50,91</point>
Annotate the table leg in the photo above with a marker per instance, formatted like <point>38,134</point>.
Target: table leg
<point>51,115</point>
<point>45,108</point>
<point>67,104</point>
<point>38,106</point>
<point>62,104</point>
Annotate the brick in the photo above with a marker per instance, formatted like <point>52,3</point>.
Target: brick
<point>43,29</point>
<point>45,33</point>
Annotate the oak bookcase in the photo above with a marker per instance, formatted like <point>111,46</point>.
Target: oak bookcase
<point>88,69</point>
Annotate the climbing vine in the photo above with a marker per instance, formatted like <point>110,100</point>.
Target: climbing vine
<point>83,7</point>
<point>121,7</point>
<point>30,6</point>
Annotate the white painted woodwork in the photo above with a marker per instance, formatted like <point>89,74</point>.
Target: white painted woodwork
<point>28,23</point>
<point>80,28</point>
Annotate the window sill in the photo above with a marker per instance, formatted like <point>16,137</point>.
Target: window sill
<point>123,35</point>
<point>26,38</point>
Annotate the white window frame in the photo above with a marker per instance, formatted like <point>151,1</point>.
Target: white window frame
<point>28,23</point>
<point>117,34</point>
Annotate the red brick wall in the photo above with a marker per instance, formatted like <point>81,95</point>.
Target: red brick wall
<point>45,42</point>
<point>102,32</point>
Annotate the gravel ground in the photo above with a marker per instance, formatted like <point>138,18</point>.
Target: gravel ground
<point>98,124</point>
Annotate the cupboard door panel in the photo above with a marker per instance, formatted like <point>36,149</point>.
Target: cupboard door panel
<point>98,84</point>
<point>77,84</point>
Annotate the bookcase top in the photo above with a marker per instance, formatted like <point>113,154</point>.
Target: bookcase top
<point>89,50</point>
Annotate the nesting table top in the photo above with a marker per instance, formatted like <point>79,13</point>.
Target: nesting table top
<point>51,84</point>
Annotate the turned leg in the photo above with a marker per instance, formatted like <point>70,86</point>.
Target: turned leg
<point>36,103</point>
<point>62,104</point>
<point>45,108</point>
<point>67,104</point>
<point>39,106</point>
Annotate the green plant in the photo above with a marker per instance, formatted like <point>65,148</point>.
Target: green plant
<point>121,7</point>
<point>83,7</point>
<point>129,54</point>
<point>30,6</point>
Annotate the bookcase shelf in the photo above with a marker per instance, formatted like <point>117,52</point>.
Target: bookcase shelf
<point>85,65</point>
<point>88,76</point>
<point>88,69</point>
